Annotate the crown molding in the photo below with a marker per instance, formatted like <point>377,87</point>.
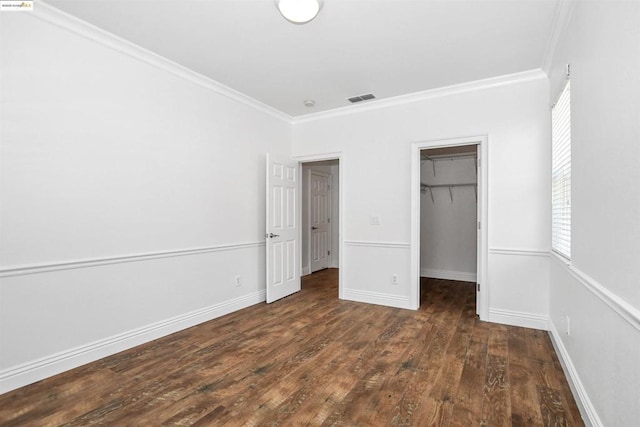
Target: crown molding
<point>559,26</point>
<point>61,19</point>
<point>54,16</point>
<point>476,85</point>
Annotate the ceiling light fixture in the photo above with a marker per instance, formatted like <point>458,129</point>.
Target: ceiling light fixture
<point>309,103</point>
<point>298,11</point>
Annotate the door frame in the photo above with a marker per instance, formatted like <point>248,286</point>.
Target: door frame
<point>483,200</point>
<point>330,177</point>
<point>341,168</point>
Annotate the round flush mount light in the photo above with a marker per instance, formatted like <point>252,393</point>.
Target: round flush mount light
<point>309,103</point>
<point>298,11</point>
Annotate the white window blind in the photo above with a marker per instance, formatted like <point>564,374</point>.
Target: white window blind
<point>561,170</point>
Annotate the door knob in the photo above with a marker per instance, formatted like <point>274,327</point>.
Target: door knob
<point>271,235</point>
<point>314,228</point>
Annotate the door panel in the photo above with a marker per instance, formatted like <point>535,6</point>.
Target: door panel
<point>320,211</point>
<point>478,231</point>
<point>283,276</point>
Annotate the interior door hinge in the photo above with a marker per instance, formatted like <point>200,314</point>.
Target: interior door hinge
<point>478,287</point>
<point>328,252</point>
<point>478,225</point>
<point>328,219</point>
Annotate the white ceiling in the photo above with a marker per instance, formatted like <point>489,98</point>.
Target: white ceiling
<point>353,47</point>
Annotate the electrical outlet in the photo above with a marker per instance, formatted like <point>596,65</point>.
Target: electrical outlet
<point>374,219</point>
<point>237,281</point>
<point>394,279</point>
<point>568,328</point>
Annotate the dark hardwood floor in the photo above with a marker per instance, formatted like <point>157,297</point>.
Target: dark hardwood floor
<point>311,359</point>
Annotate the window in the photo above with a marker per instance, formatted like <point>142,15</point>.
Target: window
<point>561,174</point>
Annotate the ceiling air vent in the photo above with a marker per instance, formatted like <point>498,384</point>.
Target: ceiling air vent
<point>359,98</point>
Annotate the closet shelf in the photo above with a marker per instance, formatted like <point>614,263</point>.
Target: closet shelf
<point>429,187</point>
<point>451,157</point>
<point>448,157</point>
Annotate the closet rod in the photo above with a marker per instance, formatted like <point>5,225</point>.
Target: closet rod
<point>426,187</point>
<point>466,184</point>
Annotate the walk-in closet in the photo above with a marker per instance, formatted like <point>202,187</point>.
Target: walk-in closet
<point>449,213</point>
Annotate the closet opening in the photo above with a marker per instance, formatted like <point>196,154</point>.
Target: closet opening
<point>448,210</point>
<point>449,229</point>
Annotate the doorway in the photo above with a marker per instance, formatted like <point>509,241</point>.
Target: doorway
<point>330,164</point>
<point>285,246</point>
<point>448,218</point>
<point>448,187</point>
<point>320,215</point>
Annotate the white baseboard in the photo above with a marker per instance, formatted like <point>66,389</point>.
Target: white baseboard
<point>306,270</point>
<point>587,410</point>
<point>30,372</point>
<point>448,275</point>
<point>378,298</point>
<point>518,318</point>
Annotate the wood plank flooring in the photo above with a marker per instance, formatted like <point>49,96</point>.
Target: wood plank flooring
<point>311,359</point>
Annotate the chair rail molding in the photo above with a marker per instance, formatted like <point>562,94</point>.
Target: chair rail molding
<point>372,244</point>
<point>617,304</point>
<point>93,262</point>
<point>520,252</point>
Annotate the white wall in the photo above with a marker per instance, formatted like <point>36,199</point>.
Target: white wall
<point>375,142</point>
<point>132,195</point>
<point>598,291</point>
<point>448,228</point>
<point>328,167</point>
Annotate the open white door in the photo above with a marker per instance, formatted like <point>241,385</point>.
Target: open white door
<point>283,275</point>
<point>478,231</point>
